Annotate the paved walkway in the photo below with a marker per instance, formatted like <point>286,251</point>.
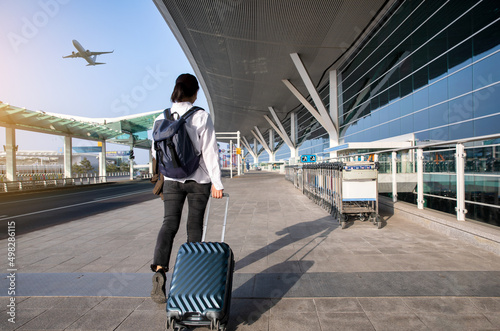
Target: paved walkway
<point>295,270</point>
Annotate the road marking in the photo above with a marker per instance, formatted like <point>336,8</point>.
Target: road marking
<point>120,195</point>
<point>52,196</point>
<point>75,205</point>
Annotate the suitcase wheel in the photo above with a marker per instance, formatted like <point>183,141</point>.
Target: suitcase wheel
<point>172,325</point>
<point>217,326</point>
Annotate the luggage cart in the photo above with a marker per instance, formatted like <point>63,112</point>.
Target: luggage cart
<point>357,183</point>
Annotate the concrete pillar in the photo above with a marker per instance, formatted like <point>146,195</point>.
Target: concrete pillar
<point>334,112</point>
<point>131,165</point>
<point>460,164</point>
<point>272,155</point>
<point>150,162</point>
<point>10,149</point>
<point>68,157</point>
<point>238,142</point>
<point>294,151</point>
<point>256,150</point>
<point>102,162</point>
<point>394,156</point>
<point>420,178</point>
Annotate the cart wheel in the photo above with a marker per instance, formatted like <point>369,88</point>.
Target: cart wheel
<point>343,220</point>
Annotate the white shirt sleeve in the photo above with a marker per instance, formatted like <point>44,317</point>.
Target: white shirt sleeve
<point>210,152</point>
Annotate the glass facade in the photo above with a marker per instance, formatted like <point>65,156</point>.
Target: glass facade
<point>432,69</point>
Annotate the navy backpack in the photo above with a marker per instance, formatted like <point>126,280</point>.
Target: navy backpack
<point>176,157</point>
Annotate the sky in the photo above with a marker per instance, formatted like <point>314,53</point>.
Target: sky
<point>138,77</point>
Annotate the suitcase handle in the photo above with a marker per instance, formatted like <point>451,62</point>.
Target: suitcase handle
<point>205,225</point>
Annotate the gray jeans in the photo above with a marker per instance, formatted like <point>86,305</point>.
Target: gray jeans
<point>175,194</point>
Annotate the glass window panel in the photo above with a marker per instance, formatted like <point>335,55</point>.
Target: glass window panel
<point>487,71</point>
<point>394,92</point>
<point>360,124</point>
<point>439,134</point>
<point>461,130</point>
<point>460,56</point>
<point>374,103</point>
<point>406,86</point>
<point>487,41</point>
<point>438,68</point>
<point>375,118</point>
<point>366,121</point>
<point>395,110</point>
<point>384,115</point>
<point>482,189</point>
<point>421,120</point>
<point>460,30</point>
<point>484,13</point>
<point>383,131</point>
<point>407,124</point>
<point>438,92</point>
<point>420,78</point>
<point>406,105</point>
<point>488,125</point>
<point>437,47</point>
<point>422,136</point>
<point>394,76</point>
<point>460,109</point>
<point>487,101</point>
<point>406,67</point>
<point>421,99</point>
<point>460,82</point>
<point>438,115</point>
<point>384,98</point>
<point>395,128</point>
<point>420,57</point>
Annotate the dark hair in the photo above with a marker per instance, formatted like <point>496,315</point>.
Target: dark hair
<point>186,85</point>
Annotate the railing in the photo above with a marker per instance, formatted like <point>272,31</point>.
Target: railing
<point>461,177</point>
<point>13,186</point>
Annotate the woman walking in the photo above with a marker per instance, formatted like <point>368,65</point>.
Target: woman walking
<point>196,187</point>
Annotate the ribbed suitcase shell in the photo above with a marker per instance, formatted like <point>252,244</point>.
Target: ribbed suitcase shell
<point>200,290</point>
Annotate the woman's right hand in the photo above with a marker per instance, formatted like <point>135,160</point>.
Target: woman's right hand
<point>216,194</point>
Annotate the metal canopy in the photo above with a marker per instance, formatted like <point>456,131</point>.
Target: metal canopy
<point>110,129</point>
<point>240,50</point>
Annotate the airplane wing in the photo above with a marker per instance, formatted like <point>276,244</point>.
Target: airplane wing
<point>74,55</point>
<point>99,53</point>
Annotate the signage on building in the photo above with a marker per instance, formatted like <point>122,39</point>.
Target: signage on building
<point>307,158</point>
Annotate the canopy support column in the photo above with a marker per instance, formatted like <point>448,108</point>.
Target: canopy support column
<point>68,157</point>
<point>10,149</point>
<point>102,162</point>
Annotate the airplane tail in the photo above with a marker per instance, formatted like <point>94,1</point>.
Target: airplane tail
<point>95,63</point>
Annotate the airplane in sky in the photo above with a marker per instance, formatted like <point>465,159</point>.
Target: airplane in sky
<point>89,56</point>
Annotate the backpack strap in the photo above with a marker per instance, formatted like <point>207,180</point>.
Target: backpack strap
<point>167,114</point>
<point>191,111</point>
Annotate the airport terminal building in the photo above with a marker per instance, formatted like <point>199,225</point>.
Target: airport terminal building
<point>433,71</point>
<point>338,78</point>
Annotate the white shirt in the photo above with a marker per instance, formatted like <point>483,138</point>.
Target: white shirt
<point>202,133</point>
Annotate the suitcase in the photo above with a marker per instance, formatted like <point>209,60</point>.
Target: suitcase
<point>200,290</point>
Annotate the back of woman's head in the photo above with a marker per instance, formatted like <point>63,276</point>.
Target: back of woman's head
<point>186,85</point>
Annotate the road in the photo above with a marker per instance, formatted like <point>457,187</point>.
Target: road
<point>35,210</point>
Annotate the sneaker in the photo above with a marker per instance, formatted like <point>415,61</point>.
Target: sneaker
<point>158,292</point>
